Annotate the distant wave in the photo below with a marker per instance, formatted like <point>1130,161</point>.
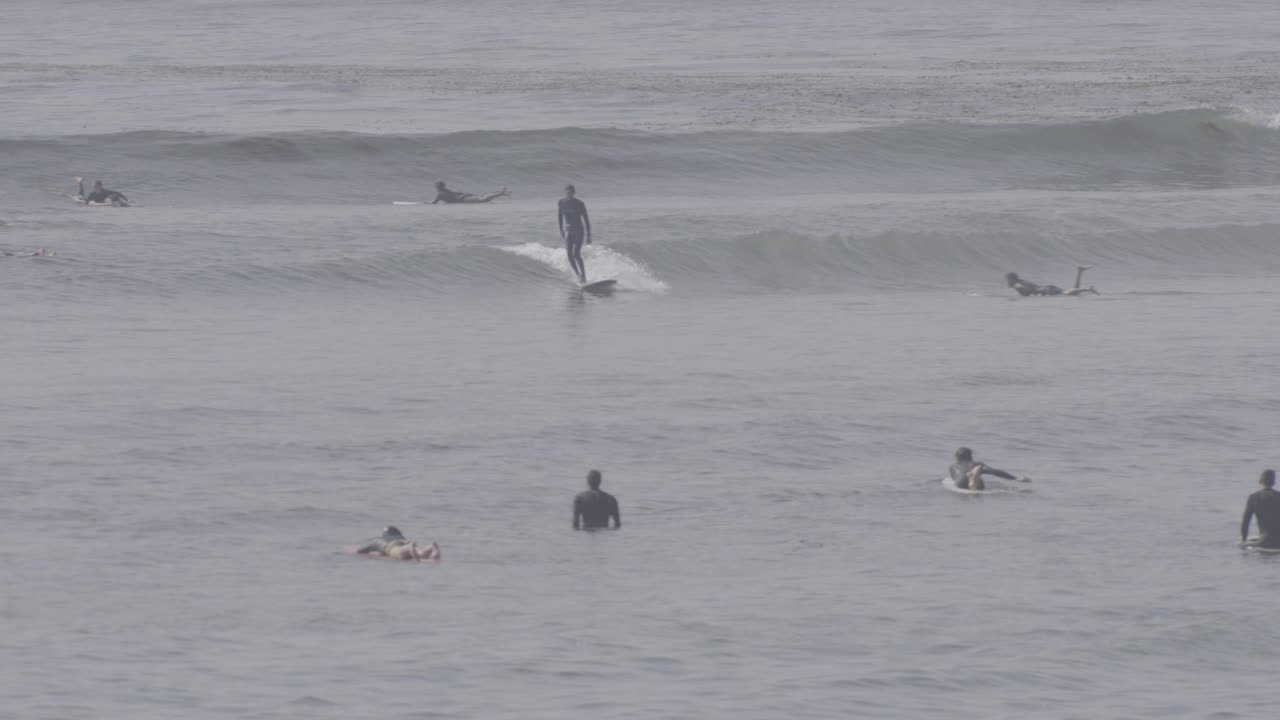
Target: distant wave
<point>1183,149</point>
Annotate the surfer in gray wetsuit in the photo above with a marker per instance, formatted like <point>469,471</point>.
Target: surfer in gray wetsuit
<point>593,508</point>
<point>1264,503</point>
<point>574,226</point>
<point>1026,287</point>
<point>393,545</point>
<point>100,195</point>
<point>967,474</point>
<point>450,197</point>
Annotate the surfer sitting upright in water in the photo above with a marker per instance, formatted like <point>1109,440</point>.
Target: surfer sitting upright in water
<point>573,217</point>
<point>100,195</point>
<point>1264,503</point>
<point>592,509</point>
<point>449,197</point>
<point>967,474</point>
<point>1026,288</point>
<point>393,545</point>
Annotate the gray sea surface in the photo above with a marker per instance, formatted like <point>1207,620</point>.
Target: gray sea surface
<point>809,208</point>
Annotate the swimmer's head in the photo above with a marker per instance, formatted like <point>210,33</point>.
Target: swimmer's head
<point>964,454</point>
<point>391,532</point>
<point>1268,478</point>
<point>569,190</point>
<point>439,184</point>
<point>594,477</point>
<point>97,184</point>
<point>1011,278</point>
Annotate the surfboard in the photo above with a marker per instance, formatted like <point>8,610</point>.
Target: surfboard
<point>950,484</point>
<point>599,286</point>
<point>1252,544</point>
<point>407,202</point>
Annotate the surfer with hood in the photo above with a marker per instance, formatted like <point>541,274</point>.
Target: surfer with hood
<point>100,195</point>
<point>967,474</point>
<point>1026,287</point>
<point>392,544</point>
<point>450,197</point>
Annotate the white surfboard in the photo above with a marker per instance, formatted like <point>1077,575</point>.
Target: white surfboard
<point>407,202</point>
<point>599,286</point>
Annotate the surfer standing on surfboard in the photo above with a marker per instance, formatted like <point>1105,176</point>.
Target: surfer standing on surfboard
<point>573,217</point>
<point>449,197</point>
<point>1264,503</point>
<point>967,474</point>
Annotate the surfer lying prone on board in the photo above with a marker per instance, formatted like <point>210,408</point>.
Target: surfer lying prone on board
<point>393,545</point>
<point>1025,287</point>
<point>450,197</point>
<point>967,474</point>
<point>1264,503</point>
<point>100,195</point>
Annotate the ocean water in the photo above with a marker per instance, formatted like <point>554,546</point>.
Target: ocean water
<point>809,208</point>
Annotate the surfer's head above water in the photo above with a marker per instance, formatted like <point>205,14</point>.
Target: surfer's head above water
<point>1011,278</point>
<point>964,454</point>
<point>391,532</point>
<point>439,184</point>
<point>569,190</point>
<point>593,479</point>
<point>1268,478</point>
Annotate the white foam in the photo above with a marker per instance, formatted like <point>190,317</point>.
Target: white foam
<point>602,263</point>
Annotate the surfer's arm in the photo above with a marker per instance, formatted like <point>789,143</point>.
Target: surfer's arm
<point>587,221</point>
<point>617,516</point>
<point>370,548</point>
<point>560,219</point>
<point>80,188</point>
<point>577,513</point>
<point>1248,518</point>
<point>998,473</point>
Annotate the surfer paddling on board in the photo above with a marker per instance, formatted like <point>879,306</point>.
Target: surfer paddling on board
<point>1264,503</point>
<point>100,195</point>
<point>450,197</point>
<point>593,508</point>
<point>1025,287</point>
<point>967,474</point>
<point>393,545</point>
<point>572,217</point>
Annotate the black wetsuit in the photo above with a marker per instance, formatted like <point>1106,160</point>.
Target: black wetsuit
<point>1025,288</point>
<point>377,546</point>
<point>593,508</point>
<point>450,196</point>
<point>960,473</point>
<point>389,536</point>
<point>1266,505</point>
<point>573,215</point>
<point>107,196</point>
